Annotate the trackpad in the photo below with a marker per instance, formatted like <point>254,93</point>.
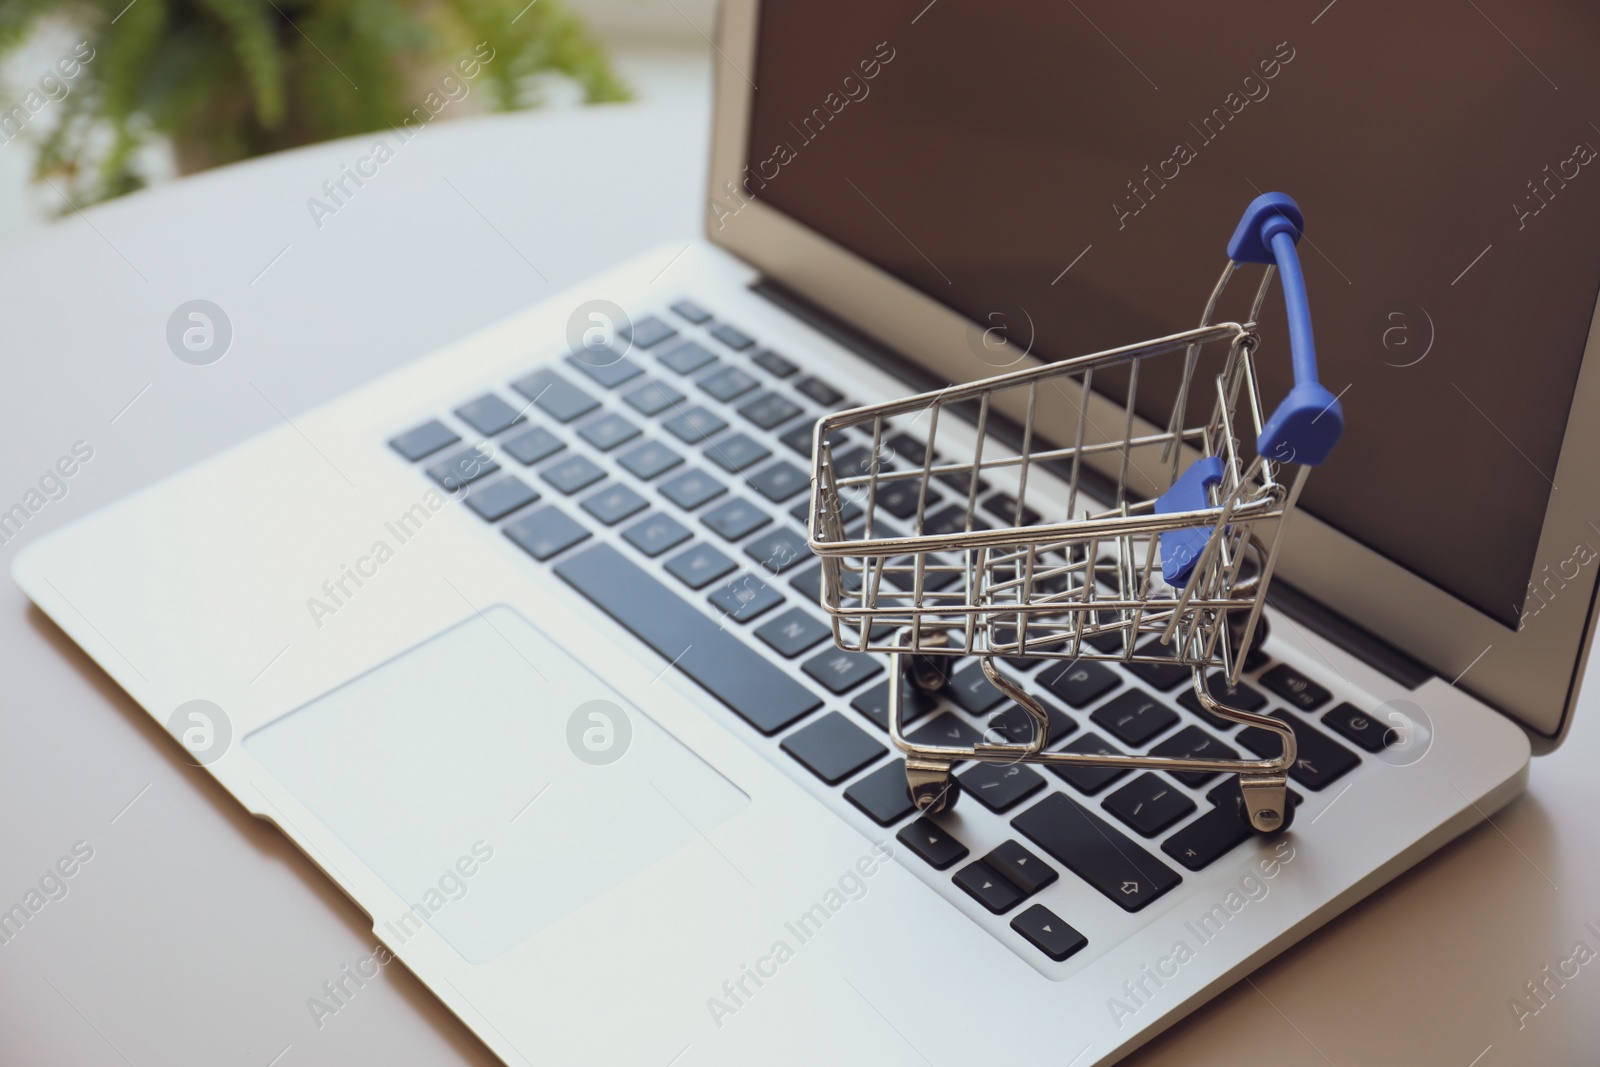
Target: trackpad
<point>493,782</point>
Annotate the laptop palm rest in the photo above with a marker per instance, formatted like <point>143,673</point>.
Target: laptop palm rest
<point>493,782</point>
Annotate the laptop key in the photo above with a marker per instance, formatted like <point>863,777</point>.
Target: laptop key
<point>572,474</point>
<point>952,519</point>
<point>793,632</point>
<point>721,663</point>
<point>1078,682</point>
<point>650,331</point>
<point>1045,931</point>
<point>908,448</point>
<point>1159,676</point>
<point>1149,804</point>
<point>781,481</point>
<point>605,368</point>
<point>699,566</point>
<point>652,398</point>
<point>686,357</point>
<point>688,309</point>
<point>989,888</point>
<point>832,748</point>
<point>838,671</point>
<point>463,468</point>
<point>799,438</point>
<point>735,519</point>
<point>972,691</point>
<point>728,383</point>
<point>533,445</point>
<point>555,396</point>
<point>654,534</point>
<point>1356,725</point>
<point>900,498</point>
<point>773,364</point>
<point>1014,726</point>
<point>1000,786</point>
<point>1004,507</point>
<point>1022,868</point>
<point>614,503</point>
<point>945,729</point>
<point>745,598</point>
<point>1295,688</point>
<point>802,511</point>
<point>1086,779</point>
<point>545,533</point>
<point>496,500</point>
<point>488,414</point>
<point>779,550</point>
<point>647,459</point>
<point>695,424</point>
<point>820,391</point>
<point>1319,759</point>
<point>1096,851</point>
<point>431,436</point>
<point>882,795</point>
<point>735,339</point>
<point>736,452</point>
<point>1193,742</point>
<point>1207,839</point>
<point>932,844</point>
<point>915,704</point>
<point>608,431</point>
<point>1134,717</point>
<point>769,410</point>
<point>691,489</point>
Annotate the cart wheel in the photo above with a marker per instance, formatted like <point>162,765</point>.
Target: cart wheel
<point>1236,621</point>
<point>931,798</point>
<point>1236,795</point>
<point>930,673</point>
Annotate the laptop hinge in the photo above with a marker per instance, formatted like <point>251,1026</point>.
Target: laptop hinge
<point>1303,609</point>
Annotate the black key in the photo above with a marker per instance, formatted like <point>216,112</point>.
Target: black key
<point>952,519</point>
<point>695,424</point>
<point>686,357</point>
<point>728,383</point>
<point>1014,726</point>
<point>555,396</point>
<point>745,597</point>
<point>939,572</point>
<point>883,794</point>
<point>545,533</point>
<point>1086,779</point>
<point>1079,682</point>
<point>1319,759</point>
<point>1045,931</point>
<point>1096,851</point>
<point>1021,868</point>
<point>820,391</point>
<point>533,445</point>
<point>1004,508</point>
<point>734,339</point>
<point>1161,676</point>
<point>572,474</point>
<point>1149,804</point>
<point>773,364</point>
<point>608,431</point>
<point>992,890</point>
<point>1000,786</point>
<point>488,414</point>
<point>614,503</point>
<point>606,368</point>
<point>1240,696</point>
<point>650,331</point>
<point>900,498</point>
<point>647,459</point>
<point>691,489</point>
<point>802,511</point>
<point>427,439</point>
<point>463,468</point>
<point>1207,839</point>
<point>961,481</point>
<point>1296,689</point>
<point>1134,717</point>
<point>799,438</point>
<point>779,550</point>
<point>733,672</point>
<point>857,462</point>
<point>915,703</point>
<point>735,518</point>
<point>1193,742</point>
<point>652,398</point>
<point>838,671</point>
<point>972,691</point>
<point>809,584</point>
<point>832,748</point>
<point>781,481</point>
<point>945,729</point>
<point>768,410</point>
<point>928,840</point>
<point>498,499</point>
<point>792,633</point>
<point>654,534</point>
<point>1371,734</point>
<point>699,566</point>
<point>909,449</point>
<point>693,312</point>
<point>736,452</point>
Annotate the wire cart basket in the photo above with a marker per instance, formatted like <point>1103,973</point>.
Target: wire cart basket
<point>1177,576</point>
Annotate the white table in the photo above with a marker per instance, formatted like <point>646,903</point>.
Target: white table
<point>196,935</point>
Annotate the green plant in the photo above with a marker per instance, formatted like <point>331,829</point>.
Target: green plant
<point>230,79</point>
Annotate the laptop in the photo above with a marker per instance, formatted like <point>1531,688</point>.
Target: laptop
<point>560,710</point>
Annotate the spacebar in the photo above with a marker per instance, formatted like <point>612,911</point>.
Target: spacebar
<point>730,670</point>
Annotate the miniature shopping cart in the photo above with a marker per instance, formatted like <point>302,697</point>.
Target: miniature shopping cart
<point>1169,566</point>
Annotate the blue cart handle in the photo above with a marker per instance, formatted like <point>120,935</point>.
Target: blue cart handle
<point>1308,422</point>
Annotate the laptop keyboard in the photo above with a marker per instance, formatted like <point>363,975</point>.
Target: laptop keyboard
<point>694,449</point>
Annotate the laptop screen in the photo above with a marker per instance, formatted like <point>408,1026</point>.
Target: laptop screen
<point>1072,172</point>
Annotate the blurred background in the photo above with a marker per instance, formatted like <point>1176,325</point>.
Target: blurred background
<point>99,98</point>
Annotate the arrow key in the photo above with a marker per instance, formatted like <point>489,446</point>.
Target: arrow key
<point>1026,871</point>
<point>927,839</point>
<point>1319,758</point>
<point>1046,932</point>
<point>988,888</point>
